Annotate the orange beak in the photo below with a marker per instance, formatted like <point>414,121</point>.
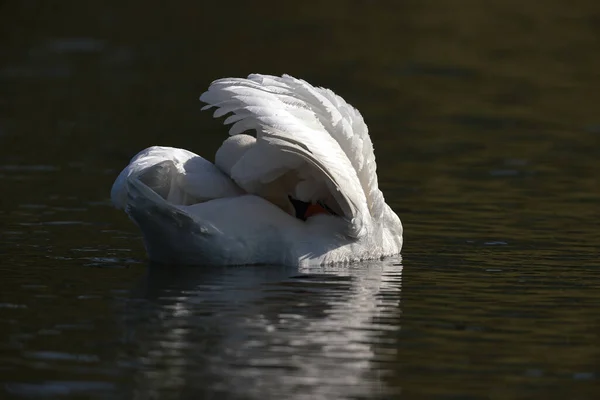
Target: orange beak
<point>314,209</point>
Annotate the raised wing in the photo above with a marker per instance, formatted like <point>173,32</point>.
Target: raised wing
<point>302,126</point>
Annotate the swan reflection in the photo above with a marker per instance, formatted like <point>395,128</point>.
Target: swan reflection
<point>262,331</point>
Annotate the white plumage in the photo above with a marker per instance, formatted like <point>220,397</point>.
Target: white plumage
<point>311,148</point>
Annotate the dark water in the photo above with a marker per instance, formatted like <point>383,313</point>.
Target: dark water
<point>486,123</point>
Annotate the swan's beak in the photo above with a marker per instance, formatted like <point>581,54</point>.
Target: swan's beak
<point>314,209</point>
<point>305,210</point>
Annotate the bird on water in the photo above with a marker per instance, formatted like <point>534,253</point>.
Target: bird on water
<point>295,183</point>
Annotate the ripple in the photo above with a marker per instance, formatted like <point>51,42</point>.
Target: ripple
<point>58,388</point>
<point>12,305</point>
<point>75,45</point>
<point>110,262</point>
<point>58,356</point>
<point>581,376</point>
<point>25,71</point>
<point>29,168</point>
<point>504,172</point>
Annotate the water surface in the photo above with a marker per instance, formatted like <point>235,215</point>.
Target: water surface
<point>486,128</point>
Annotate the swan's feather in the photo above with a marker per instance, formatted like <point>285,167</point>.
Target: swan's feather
<point>345,199</point>
<point>177,175</point>
<point>307,123</point>
<point>314,107</point>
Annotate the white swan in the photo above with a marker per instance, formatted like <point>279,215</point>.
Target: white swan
<point>302,192</point>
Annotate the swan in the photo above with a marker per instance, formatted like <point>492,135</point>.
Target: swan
<point>301,191</point>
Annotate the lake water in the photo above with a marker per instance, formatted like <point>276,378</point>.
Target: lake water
<point>486,124</point>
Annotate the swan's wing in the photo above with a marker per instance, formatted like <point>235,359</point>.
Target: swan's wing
<point>353,135</point>
<point>302,126</point>
<point>314,106</point>
<point>177,175</point>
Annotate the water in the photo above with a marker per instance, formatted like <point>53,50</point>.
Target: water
<point>486,127</point>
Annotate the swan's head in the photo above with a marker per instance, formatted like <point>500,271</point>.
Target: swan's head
<point>232,150</point>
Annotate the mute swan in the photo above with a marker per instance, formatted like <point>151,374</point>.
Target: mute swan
<point>303,191</point>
